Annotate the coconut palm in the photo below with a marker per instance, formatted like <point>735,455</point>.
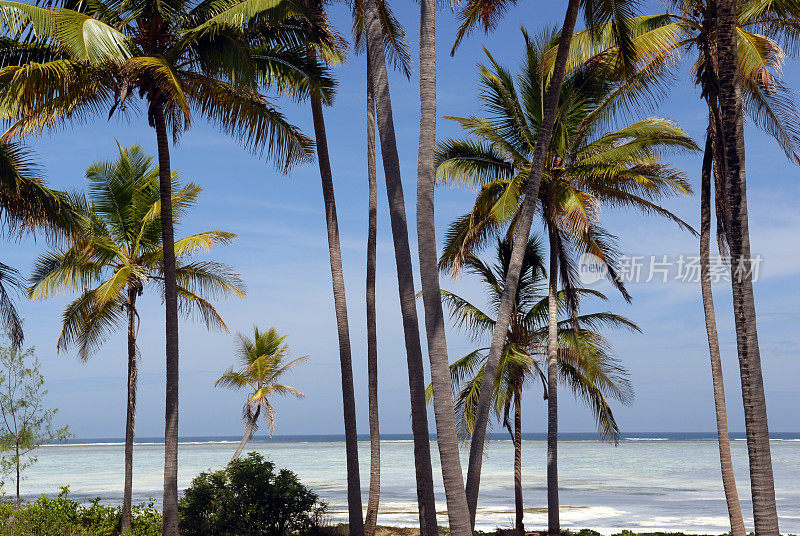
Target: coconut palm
<point>180,57</point>
<point>261,365</point>
<point>115,256</point>
<point>586,167</point>
<point>487,13</point>
<point>396,48</point>
<point>461,522</point>
<point>375,43</point>
<point>762,30</point>
<point>26,205</point>
<point>585,364</point>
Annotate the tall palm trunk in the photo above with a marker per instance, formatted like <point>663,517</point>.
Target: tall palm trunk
<point>518,505</point>
<point>553,518</point>
<point>355,514</point>
<point>248,433</point>
<point>130,417</point>
<point>762,483</point>
<point>726,463</point>
<point>170,527</point>
<point>517,253</point>
<point>446,435</point>
<point>372,329</point>
<point>405,274</point>
<point>17,460</point>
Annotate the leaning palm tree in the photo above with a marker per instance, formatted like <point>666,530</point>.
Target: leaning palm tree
<point>585,364</point>
<point>115,256</point>
<point>586,167</point>
<point>487,13</point>
<point>260,367</point>
<point>181,58</point>
<point>761,33</point>
<point>26,205</point>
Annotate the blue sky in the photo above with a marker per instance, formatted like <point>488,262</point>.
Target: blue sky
<point>282,254</point>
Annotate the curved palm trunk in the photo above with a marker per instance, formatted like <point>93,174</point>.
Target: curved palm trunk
<point>520,242</point>
<point>373,502</point>
<point>170,527</point>
<point>446,435</point>
<point>518,505</point>
<point>248,433</point>
<point>762,483</point>
<point>355,513</point>
<point>726,463</point>
<point>405,274</point>
<point>130,418</point>
<point>553,519</point>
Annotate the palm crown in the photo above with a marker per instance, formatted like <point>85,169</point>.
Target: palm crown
<point>118,254</point>
<point>183,57</point>
<point>585,362</point>
<point>26,204</point>
<point>586,166</point>
<point>261,364</point>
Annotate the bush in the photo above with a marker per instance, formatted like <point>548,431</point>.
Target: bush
<point>249,498</point>
<point>64,517</point>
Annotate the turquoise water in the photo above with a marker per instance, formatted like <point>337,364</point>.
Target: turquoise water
<point>648,482</point>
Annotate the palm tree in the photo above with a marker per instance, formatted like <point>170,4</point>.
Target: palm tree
<point>115,256</point>
<point>585,168</point>
<point>26,204</point>
<point>762,483</point>
<point>319,23</point>
<point>584,362</point>
<point>760,31</point>
<point>180,57</point>
<point>396,48</point>
<point>376,55</point>
<point>461,522</point>
<point>260,367</point>
<point>487,13</point>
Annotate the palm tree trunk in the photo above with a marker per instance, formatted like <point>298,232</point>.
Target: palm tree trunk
<point>446,435</point>
<point>372,330</point>
<point>405,274</point>
<point>518,505</point>
<point>553,519</point>
<point>726,463</point>
<point>248,433</point>
<point>762,483</point>
<point>515,265</point>
<point>170,527</point>
<point>355,513</point>
<point>130,420</point>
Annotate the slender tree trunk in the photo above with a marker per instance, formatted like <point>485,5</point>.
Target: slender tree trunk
<point>553,519</point>
<point>762,483</point>
<point>726,463</point>
<point>170,527</point>
<point>446,435</point>
<point>372,329</point>
<point>518,251</point>
<point>355,513</point>
<point>248,433</point>
<point>518,504</point>
<point>405,274</point>
<point>16,459</point>
<point>130,418</point>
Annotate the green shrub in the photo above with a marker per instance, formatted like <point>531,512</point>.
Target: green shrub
<point>249,498</point>
<point>63,516</point>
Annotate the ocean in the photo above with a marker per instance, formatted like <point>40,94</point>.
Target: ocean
<point>647,482</point>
